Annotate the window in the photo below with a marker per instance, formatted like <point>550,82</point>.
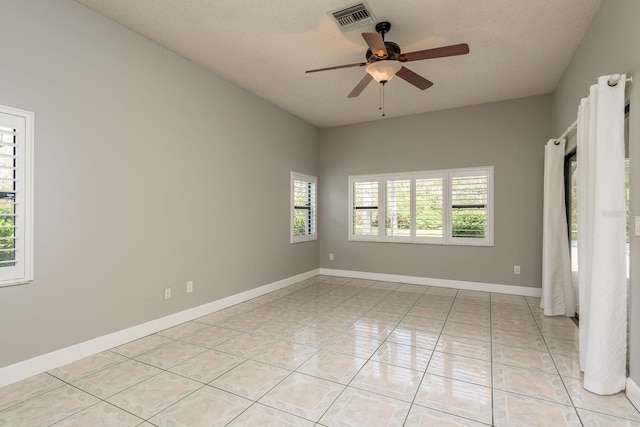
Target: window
<point>16,196</point>
<point>469,205</point>
<point>365,213</point>
<point>451,207</point>
<point>429,200</point>
<point>398,207</point>
<point>303,208</point>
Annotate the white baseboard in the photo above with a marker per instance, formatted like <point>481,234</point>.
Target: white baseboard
<point>443,283</point>
<point>36,365</point>
<point>39,364</point>
<point>633,393</point>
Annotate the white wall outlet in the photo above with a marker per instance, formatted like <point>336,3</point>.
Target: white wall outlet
<point>331,257</point>
<point>189,287</point>
<point>637,225</point>
<point>167,293</point>
<point>516,269</point>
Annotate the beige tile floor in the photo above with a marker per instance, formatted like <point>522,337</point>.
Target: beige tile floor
<point>331,351</point>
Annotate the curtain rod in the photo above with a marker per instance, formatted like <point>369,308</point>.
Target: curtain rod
<point>571,127</point>
<point>613,81</point>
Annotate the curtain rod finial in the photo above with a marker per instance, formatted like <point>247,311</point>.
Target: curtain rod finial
<point>613,80</point>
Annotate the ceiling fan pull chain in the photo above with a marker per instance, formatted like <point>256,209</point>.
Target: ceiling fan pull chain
<point>382,98</point>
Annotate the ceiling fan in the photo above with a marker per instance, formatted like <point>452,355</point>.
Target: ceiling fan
<point>384,60</point>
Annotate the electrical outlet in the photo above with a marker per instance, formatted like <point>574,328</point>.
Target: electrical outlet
<point>189,287</point>
<point>331,257</point>
<point>516,269</point>
<point>167,293</point>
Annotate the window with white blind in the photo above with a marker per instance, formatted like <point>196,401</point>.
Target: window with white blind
<point>469,205</point>
<point>453,207</point>
<point>397,198</point>
<point>429,199</point>
<point>303,207</point>
<point>16,196</point>
<point>365,214</point>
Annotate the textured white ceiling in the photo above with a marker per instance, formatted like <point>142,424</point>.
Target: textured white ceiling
<point>517,48</point>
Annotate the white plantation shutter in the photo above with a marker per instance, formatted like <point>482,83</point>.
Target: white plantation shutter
<point>453,207</point>
<point>16,128</point>
<point>429,196</point>
<point>303,207</point>
<point>470,207</point>
<point>364,208</point>
<point>398,208</point>
<point>8,196</point>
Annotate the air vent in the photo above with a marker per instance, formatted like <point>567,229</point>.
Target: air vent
<point>353,17</point>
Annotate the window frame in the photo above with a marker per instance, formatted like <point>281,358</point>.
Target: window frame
<point>383,228</point>
<point>311,232</point>
<point>380,211</point>
<point>446,201</point>
<point>23,121</point>
<point>472,241</point>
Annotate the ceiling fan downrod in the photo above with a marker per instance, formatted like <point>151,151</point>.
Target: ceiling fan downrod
<point>383,28</point>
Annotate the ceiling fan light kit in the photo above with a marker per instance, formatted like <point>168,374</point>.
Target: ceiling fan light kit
<point>384,70</point>
<point>385,59</point>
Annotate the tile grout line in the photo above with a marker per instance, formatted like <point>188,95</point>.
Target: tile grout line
<point>564,385</point>
<point>493,398</point>
<point>430,357</point>
<point>301,373</point>
<point>363,365</point>
<point>388,303</point>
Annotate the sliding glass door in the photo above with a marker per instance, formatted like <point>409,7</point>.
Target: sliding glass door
<point>571,200</point>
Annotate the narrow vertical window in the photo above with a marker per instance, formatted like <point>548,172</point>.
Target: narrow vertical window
<point>7,196</point>
<point>364,207</point>
<point>16,142</point>
<point>430,208</point>
<point>470,205</point>
<point>303,207</point>
<point>398,208</point>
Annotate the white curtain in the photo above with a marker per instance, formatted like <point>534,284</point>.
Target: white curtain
<point>557,286</point>
<point>602,238</point>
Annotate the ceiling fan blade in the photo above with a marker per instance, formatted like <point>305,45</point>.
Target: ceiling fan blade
<point>360,86</point>
<point>438,52</point>
<point>415,79</point>
<point>358,64</point>
<point>376,44</point>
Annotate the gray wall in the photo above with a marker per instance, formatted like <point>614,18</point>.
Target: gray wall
<point>149,172</point>
<point>508,135</point>
<point>611,45</point>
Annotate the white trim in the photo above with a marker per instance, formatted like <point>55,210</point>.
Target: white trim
<point>633,393</point>
<point>441,283</point>
<point>39,364</point>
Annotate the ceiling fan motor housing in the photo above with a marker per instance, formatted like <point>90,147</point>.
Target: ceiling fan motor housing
<point>393,50</point>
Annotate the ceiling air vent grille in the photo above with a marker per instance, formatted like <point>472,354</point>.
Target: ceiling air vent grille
<point>353,16</point>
